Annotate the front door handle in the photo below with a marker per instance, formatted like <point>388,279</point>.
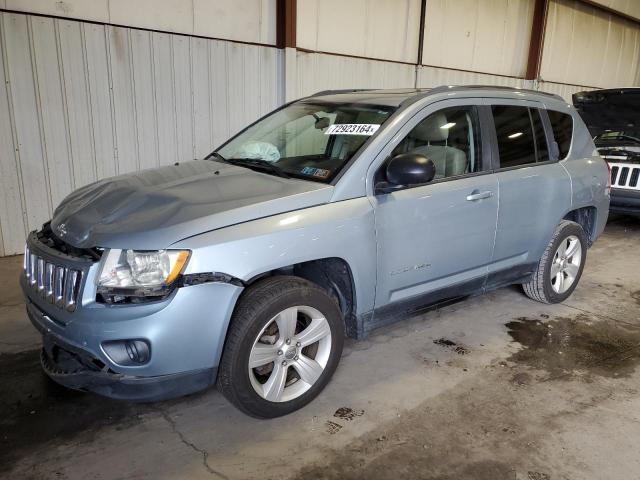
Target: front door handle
<point>476,195</point>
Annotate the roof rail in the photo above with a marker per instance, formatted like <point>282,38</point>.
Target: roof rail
<point>448,88</point>
<point>345,90</point>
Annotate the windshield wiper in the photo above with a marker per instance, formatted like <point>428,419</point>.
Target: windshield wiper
<point>258,164</point>
<point>216,155</point>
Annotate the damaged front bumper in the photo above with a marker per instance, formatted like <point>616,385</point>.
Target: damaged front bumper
<point>184,332</point>
<point>76,368</point>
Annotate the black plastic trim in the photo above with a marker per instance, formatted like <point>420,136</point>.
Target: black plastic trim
<point>208,277</point>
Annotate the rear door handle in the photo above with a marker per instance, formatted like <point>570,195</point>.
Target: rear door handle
<point>475,195</point>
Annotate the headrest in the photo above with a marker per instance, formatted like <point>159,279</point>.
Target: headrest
<point>429,129</point>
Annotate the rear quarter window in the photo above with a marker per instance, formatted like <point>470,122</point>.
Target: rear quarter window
<point>562,126</point>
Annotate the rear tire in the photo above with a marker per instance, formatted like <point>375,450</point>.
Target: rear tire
<point>561,265</point>
<point>284,343</point>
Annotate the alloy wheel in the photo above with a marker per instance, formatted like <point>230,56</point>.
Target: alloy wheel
<point>290,353</point>
<point>566,264</point>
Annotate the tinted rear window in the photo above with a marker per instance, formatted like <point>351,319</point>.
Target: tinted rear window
<point>562,125</point>
<point>542,152</point>
<point>516,141</point>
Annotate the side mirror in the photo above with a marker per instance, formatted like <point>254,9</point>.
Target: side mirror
<point>407,169</point>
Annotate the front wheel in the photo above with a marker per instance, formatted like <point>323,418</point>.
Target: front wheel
<point>561,265</point>
<point>284,343</point>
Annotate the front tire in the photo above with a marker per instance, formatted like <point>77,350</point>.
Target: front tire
<point>284,343</point>
<point>561,265</point>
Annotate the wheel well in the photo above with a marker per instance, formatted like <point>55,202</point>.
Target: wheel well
<point>586,218</point>
<point>333,275</point>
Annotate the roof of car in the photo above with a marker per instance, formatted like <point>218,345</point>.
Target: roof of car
<point>398,97</point>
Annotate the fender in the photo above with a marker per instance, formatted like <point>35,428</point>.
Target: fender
<point>344,230</point>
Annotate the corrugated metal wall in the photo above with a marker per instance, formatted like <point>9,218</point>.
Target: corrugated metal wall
<point>432,76</point>
<point>628,7</point>
<point>585,46</point>
<point>242,20</point>
<point>479,35</point>
<point>562,89</point>
<point>316,72</point>
<point>382,29</point>
<point>82,101</point>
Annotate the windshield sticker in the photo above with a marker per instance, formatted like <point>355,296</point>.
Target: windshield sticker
<point>352,129</point>
<point>315,172</point>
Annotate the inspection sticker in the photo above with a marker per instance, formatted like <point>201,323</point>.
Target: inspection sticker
<point>316,172</point>
<point>352,129</point>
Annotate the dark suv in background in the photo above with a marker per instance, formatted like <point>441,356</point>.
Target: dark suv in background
<point>613,118</point>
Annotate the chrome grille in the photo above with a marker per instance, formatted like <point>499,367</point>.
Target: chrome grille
<point>625,175</point>
<point>58,284</point>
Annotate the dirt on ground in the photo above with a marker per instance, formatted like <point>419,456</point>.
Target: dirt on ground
<point>508,409</point>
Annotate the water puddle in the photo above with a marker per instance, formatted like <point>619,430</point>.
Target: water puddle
<point>576,346</point>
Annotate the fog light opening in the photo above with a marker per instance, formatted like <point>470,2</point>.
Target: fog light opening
<point>131,352</point>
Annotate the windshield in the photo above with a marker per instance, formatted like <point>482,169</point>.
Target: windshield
<point>310,140</point>
<point>618,138</point>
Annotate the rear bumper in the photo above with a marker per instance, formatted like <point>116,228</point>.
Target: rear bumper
<point>625,201</point>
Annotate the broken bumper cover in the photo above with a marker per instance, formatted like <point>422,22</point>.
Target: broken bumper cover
<point>72,372</point>
<point>185,334</point>
<point>77,369</point>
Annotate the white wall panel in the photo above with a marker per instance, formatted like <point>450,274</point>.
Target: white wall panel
<point>12,218</point>
<point>316,72</point>
<point>585,46</point>
<point>169,15</point>
<point>101,101</point>
<point>433,77</point>
<point>384,29</point>
<point>182,88</point>
<point>76,95</point>
<point>28,140</point>
<point>243,20</point>
<point>164,98</point>
<point>481,35</point>
<point>219,101</point>
<point>85,101</point>
<point>123,100</point>
<point>562,89</point>
<point>94,10</point>
<point>628,7</point>
<point>143,91</point>
<point>54,115</point>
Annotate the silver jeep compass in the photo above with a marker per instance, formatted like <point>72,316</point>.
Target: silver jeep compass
<point>329,217</point>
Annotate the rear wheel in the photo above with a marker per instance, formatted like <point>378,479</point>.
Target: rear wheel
<point>561,265</point>
<point>284,343</point>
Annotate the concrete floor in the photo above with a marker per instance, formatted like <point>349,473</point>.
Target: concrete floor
<point>495,387</point>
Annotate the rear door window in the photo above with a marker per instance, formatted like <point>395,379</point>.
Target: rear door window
<point>542,150</point>
<point>516,140</point>
<point>562,126</point>
<point>521,136</point>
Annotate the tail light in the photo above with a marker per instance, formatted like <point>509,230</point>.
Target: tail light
<point>608,177</point>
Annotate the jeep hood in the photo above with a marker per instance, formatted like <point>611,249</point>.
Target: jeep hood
<point>153,209</point>
<point>614,109</point>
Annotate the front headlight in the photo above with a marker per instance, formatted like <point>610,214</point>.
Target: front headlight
<point>140,273</point>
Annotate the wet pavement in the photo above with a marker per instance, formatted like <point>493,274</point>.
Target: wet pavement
<point>35,411</point>
<point>579,346</point>
<point>495,387</point>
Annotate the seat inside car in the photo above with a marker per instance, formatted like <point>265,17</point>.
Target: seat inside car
<point>449,161</point>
